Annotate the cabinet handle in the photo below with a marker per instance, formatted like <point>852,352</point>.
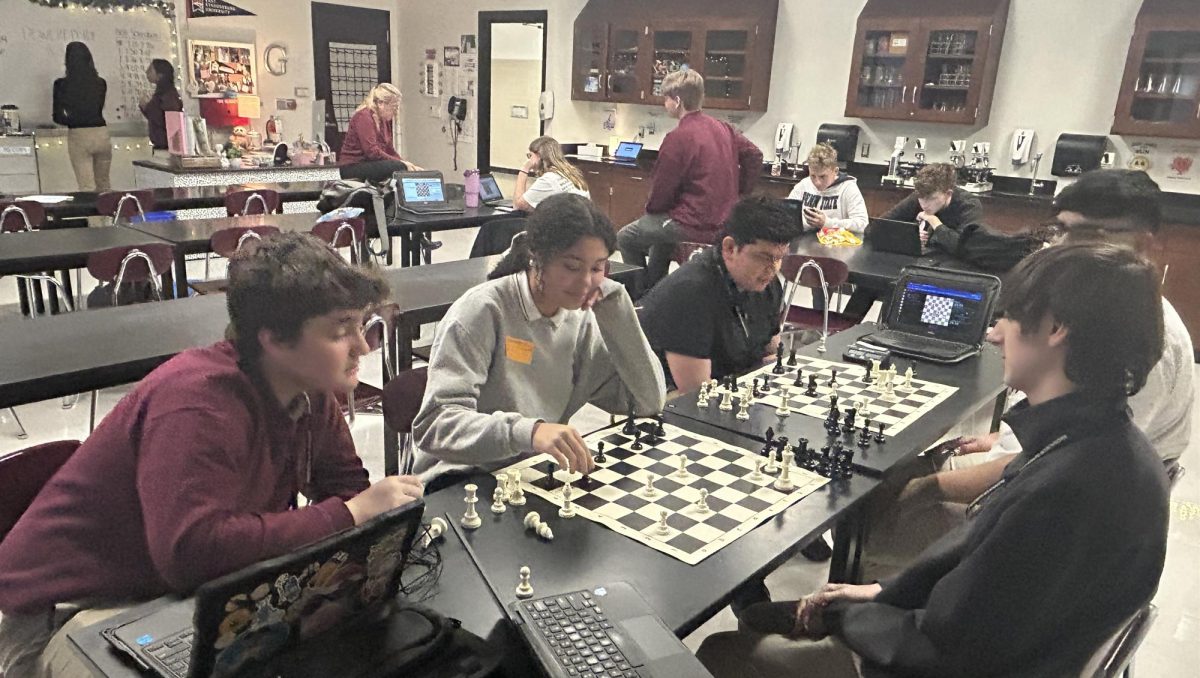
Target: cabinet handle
<point>916,88</point>
<point>637,178</point>
<point>904,94</point>
<point>609,86</point>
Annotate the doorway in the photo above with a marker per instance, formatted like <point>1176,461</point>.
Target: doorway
<point>352,52</point>
<point>512,76</point>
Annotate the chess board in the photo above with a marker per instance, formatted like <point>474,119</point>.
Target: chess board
<point>613,494</point>
<point>853,383</point>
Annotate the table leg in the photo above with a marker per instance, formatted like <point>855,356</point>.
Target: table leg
<point>845,566</point>
<point>23,295</point>
<point>180,277</point>
<point>1001,402</point>
<point>405,247</point>
<point>401,340</point>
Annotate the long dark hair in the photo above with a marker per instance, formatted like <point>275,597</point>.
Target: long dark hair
<point>165,72</point>
<point>79,62</point>
<point>554,227</point>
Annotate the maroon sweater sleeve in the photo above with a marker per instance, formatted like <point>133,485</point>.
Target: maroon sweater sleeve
<point>187,488</point>
<point>337,470</point>
<point>750,159</point>
<point>373,143</point>
<point>668,174</point>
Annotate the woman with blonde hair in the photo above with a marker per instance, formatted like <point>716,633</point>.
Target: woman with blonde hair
<point>553,173</point>
<point>369,149</point>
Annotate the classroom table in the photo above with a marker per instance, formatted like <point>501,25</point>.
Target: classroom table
<point>872,268</point>
<point>411,228</point>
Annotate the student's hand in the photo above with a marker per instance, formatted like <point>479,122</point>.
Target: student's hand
<point>814,218</point>
<point>809,610</point>
<point>564,444</point>
<point>772,346</point>
<point>529,166</point>
<point>592,299</point>
<point>413,167</point>
<point>385,495</point>
<point>976,444</point>
<point>930,218</point>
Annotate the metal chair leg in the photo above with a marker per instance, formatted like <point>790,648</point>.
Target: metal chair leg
<point>92,418</point>
<point>22,434</point>
<point>350,404</point>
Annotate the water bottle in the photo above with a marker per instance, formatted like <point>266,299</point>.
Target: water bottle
<point>471,193</point>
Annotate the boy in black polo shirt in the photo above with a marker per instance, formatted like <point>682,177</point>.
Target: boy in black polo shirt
<point>718,315</point>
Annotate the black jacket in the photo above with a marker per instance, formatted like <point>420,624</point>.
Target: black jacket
<point>1053,563</point>
<point>963,211</point>
<point>79,103</point>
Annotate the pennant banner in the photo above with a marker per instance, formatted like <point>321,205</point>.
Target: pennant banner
<point>203,8</point>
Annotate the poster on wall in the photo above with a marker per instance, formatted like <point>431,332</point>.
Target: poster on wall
<point>1182,165</point>
<point>197,9</point>
<point>450,56</point>
<point>467,43</point>
<point>220,69</point>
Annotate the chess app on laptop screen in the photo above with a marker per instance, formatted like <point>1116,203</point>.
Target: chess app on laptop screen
<point>941,312</point>
<point>422,189</point>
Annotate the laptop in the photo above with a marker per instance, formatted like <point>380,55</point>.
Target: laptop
<point>247,618</point>
<point>423,192</point>
<point>627,153</point>
<point>608,631</point>
<point>937,314</point>
<point>489,193</point>
<point>897,237</point>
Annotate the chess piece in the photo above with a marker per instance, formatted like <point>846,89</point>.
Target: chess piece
<point>811,391</point>
<point>702,503</point>
<point>702,396</point>
<point>648,490</point>
<point>875,374</point>
<point>833,383</point>
<point>533,521</point>
<point>864,434</point>
<point>848,421</point>
<point>637,440</point>
<point>798,382</point>
<point>792,357</point>
<point>659,430</point>
<point>498,500</point>
<point>726,401</point>
<point>524,588</point>
<point>543,530</point>
<point>630,425</point>
<point>682,466</point>
<point>758,469</point>
<point>568,509</point>
<point>766,389</point>
<point>785,394</point>
<point>771,468</point>
<point>744,406</point>
<point>784,482</point>
<point>769,434</point>
<point>778,369</point>
<point>879,438</point>
<point>516,495</point>
<point>437,527</point>
<point>471,519</point>
<point>600,458</point>
<point>888,393</point>
<point>908,377</point>
<point>756,390</point>
<point>663,528</point>
<point>863,406</point>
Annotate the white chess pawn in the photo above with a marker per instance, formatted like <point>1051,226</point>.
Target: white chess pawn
<point>437,527</point>
<point>702,397</point>
<point>758,470</point>
<point>524,588</point>
<point>908,377</point>
<point>744,406</point>
<point>683,460</point>
<point>888,393</point>
<point>471,519</point>
<point>543,530</point>
<point>568,509</point>
<point>516,495</point>
<point>702,503</point>
<point>785,392</point>
<point>771,467</point>
<point>648,490</point>
<point>663,528</point>
<point>784,482</point>
<point>874,373</point>
<point>498,500</point>
<point>726,402</point>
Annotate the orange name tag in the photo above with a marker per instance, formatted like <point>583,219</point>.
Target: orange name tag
<point>518,350</point>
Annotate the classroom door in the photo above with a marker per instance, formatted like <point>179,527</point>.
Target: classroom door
<point>352,52</point>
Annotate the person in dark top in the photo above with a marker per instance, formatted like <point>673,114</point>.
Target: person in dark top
<point>943,210</point>
<point>79,105</point>
<point>165,98</point>
<point>1055,557</point>
<point>703,166</point>
<point>718,315</point>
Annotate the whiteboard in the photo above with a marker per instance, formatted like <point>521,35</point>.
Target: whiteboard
<point>33,40</point>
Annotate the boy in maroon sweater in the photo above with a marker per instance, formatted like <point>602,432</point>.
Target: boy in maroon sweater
<point>195,473</point>
<point>704,166</point>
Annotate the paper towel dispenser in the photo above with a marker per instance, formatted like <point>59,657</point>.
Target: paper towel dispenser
<point>843,138</point>
<point>1075,154</point>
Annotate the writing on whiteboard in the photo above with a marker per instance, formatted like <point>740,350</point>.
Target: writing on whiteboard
<point>29,33</point>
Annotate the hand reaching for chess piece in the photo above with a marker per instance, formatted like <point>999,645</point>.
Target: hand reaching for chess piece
<point>564,444</point>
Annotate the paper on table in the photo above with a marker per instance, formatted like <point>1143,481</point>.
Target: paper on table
<point>48,199</point>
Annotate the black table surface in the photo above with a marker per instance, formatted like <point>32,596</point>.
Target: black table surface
<point>193,235</point>
<point>979,380</point>
<point>406,222</point>
<point>871,267</point>
<point>584,554</point>
<point>44,250</point>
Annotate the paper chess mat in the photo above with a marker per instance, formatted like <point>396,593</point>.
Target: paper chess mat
<point>853,384</point>
<point>613,494</point>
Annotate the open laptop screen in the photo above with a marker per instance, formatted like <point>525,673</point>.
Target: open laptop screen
<point>627,150</point>
<point>419,190</point>
<point>941,310</point>
<point>489,190</point>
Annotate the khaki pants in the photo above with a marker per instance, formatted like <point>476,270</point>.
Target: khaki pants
<point>36,645</point>
<point>746,654</point>
<point>91,157</point>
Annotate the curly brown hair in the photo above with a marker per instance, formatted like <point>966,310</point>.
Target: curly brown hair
<point>937,177</point>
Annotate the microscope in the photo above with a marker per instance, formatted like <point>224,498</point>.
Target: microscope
<point>977,176</point>
<point>901,173</point>
<point>958,156</point>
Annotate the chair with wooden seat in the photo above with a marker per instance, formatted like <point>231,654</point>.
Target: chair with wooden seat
<point>125,204</point>
<point>24,473</point>
<point>402,398</point>
<point>339,233</point>
<point>252,201</point>
<point>819,274</point>
<point>225,243</point>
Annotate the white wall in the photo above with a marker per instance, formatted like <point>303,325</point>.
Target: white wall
<point>1060,71</point>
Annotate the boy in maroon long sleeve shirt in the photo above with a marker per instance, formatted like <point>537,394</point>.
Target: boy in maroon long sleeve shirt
<point>704,166</point>
<point>195,473</point>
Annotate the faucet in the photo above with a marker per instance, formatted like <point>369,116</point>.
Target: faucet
<point>1034,185</point>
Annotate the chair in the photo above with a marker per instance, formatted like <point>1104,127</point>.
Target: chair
<point>125,204</point>
<point>494,237</point>
<point>225,243</point>
<point>402,398</point>
<point>21,215</point>
<point>24,473</point>
<point>120,265</point>
<point>252,201</point>
<point>338,233</point>
<point>684,251</point>
<point>377,331</point>
<point>798,269</point>
<point>1115,657</point>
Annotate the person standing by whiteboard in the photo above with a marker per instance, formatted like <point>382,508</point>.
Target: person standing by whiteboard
<point>165,98</point>
<point>79,104</point>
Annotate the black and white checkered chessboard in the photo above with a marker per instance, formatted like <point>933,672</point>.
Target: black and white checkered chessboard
<point>613,494</point>
<point>853,386</point>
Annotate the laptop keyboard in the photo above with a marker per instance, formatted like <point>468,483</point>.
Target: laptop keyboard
<point>912,343</point>
<point>576,629</point>
<point>173,653</point>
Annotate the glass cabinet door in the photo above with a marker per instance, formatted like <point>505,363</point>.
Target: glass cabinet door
<point>1167,90</point>
<point>883,74</point>
<point>727,63</point>
<point>951,70</point>
<point>672,52</point>
<point>624,55</point>
<point>588,79</point>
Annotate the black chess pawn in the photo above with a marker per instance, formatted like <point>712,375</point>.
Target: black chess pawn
<point>630,425</point>
<point>756,390</point>
<point>864,436</point>
<point>778,369</point>
<point>600,458</point>
<point>769,434</point>
<point>659,431</point>
<point>637,440</point>
<point>799,382</point>
<point>865,431</point>
<point>833,380</point>
<point>848,421</point>
<point>811,391</point>
<point>792,357</point>
<point>879,433</point>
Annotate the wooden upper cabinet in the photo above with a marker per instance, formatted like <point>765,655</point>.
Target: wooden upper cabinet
<point>932,61</point>
<point>1160,92</point>
<point>624,49</point>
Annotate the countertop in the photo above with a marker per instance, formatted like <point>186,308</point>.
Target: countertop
<point>164,166</point>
